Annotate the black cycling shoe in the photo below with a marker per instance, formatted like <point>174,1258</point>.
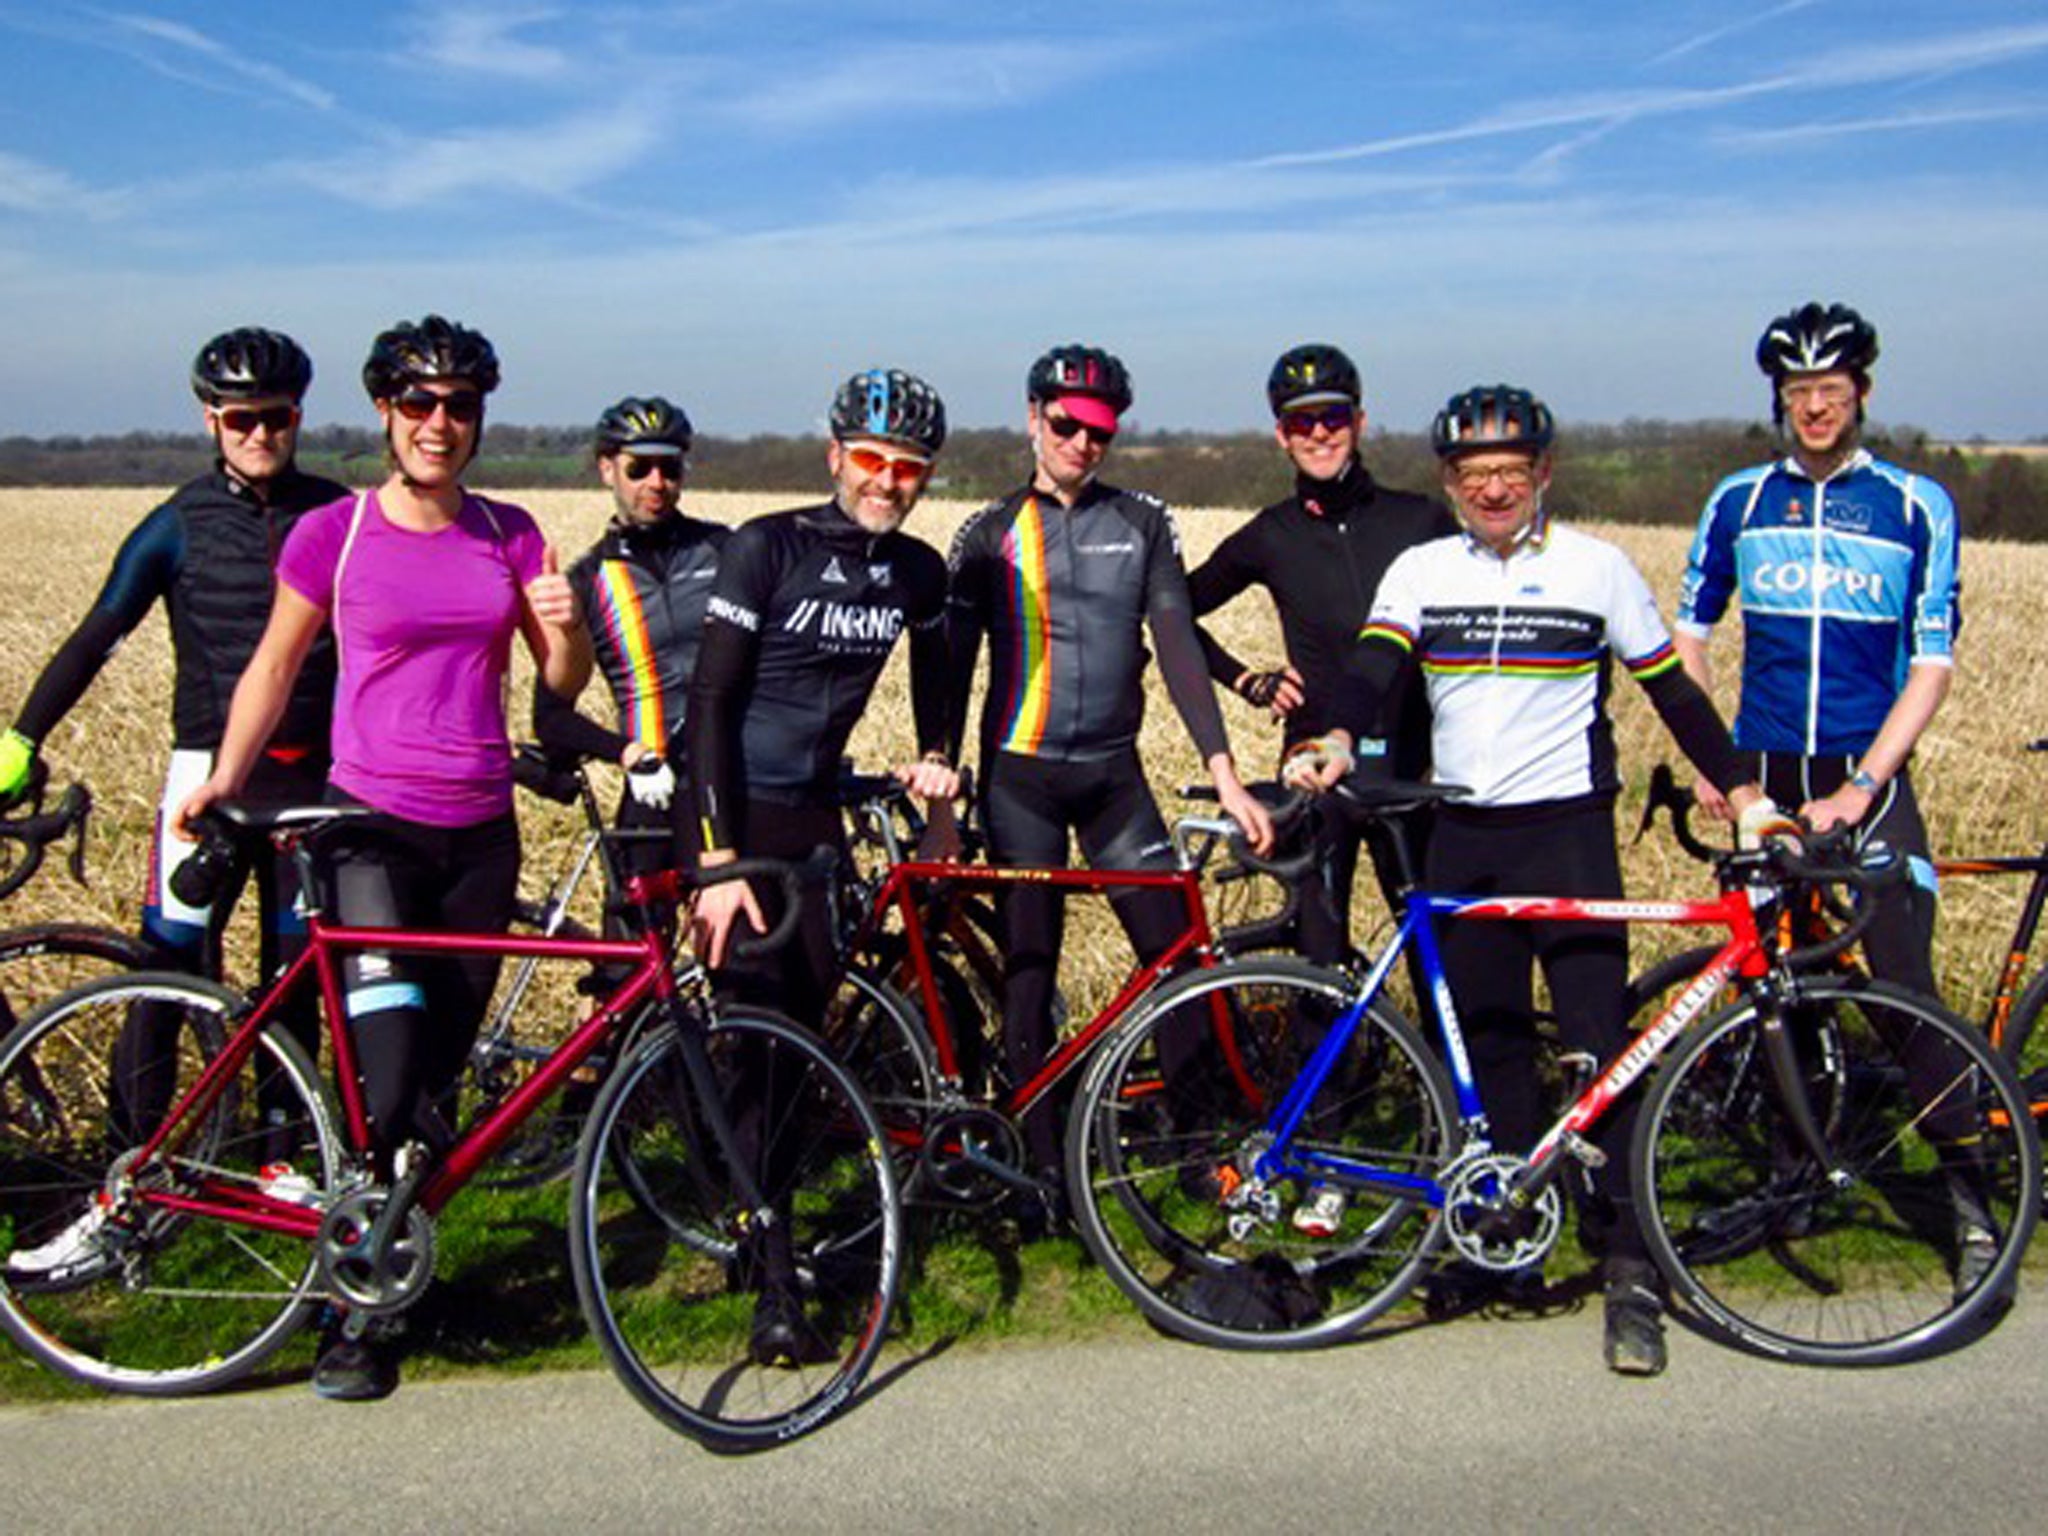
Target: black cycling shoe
<point>355,1370</point>
<point>1633,1343</point>
<point>783,1336</point>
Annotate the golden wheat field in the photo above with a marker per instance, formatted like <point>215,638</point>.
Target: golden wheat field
<point>1981,792</point>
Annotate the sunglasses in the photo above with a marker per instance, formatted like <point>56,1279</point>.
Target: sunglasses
<point>244,419</point>
<point>639,469</point>
<point>1516,477</point>
<point>1833,394</point>
<point>420,405</point>
<point>878,465</point>
<point>1331,418</point>
<point>1064,427</point>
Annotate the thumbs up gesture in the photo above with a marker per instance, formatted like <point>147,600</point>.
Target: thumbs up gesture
<point>549,594</point>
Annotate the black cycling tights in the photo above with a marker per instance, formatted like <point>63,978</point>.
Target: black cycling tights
<point>1030,805</point>
<point>415,1017</point>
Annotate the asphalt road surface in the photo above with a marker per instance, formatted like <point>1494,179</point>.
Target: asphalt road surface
<point>1482,1425</point>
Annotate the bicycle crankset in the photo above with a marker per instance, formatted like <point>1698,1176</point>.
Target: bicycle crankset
<point>1493,1223</point>
<point>367,1268</point>
<point>974,1155</point>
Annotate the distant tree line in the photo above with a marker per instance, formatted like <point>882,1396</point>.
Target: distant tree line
<point>1636,472</point>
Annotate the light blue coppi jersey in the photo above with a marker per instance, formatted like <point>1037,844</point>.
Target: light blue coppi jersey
<point>1843,583</point>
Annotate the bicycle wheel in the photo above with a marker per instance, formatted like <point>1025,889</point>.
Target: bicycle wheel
<point>103,1283</point>
<point>765,1339</point>
<point>880,1036</point>
<point>535,1009</point>
<point>1161,1167</point>
<point>41,960</point>
<point>1915,1226</point>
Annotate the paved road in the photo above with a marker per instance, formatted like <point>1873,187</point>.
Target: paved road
<point>1479,1426</point>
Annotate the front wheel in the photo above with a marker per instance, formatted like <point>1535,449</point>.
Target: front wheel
<point>762,1323</point>
<point>1906,1223</point>
<point>1165,1146</point>
<point>105,1277</point>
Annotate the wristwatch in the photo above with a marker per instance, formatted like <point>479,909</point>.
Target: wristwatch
<point>1864,782</point>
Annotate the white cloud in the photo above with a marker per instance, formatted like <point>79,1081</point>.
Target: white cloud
<point>27,186</point>
<point>1902,122</point>
<point>486,42</point>
<point>1709,38</point>
<point>171,46</point>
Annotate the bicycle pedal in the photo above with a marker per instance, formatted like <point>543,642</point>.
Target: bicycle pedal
<point>1582,1149</point>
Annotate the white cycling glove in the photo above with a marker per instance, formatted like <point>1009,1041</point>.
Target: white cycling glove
<point>1761,821</point>
<point>1308,765</point>
<point>651,782</point>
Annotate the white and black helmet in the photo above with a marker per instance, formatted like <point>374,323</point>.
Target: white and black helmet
<point>1817,338</point>
<point>249,363</point>
<point>1491,416</point>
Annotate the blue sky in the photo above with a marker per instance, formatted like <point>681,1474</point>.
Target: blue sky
<point>738,204</point>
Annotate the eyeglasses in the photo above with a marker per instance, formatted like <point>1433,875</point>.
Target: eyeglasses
<point>1064,427</point>
<point>245,419</point>
<point>1516,477</point>
<point>1833,393</point>
<point>464,405</point>
<point>877,465</point>
<point>639,469</point>
<point>1336,417</point>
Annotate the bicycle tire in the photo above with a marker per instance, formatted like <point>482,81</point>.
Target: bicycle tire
<point>160,1302</point>
<point>675,1322</point>
<point>1856,1264</point>
<point>881,1037</point>
<point>1145,1160</point>
<point>41,960</point>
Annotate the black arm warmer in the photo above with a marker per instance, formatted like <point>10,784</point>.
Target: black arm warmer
<point>1187,679</point>
<point>560,727</point>
<point>711,731</point>
<point>70,672</point>
<point>1689,715</point>
<point>931,691</point>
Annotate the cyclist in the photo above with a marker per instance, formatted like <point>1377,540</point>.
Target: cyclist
<point>208,555</point>
<point>1844,568</point>
<point>643,586</point>
<point>424,585</point>
<point>1064,576</point>
<point>1515,625</point>
<point>805,610</point>
<point>1320,554</point>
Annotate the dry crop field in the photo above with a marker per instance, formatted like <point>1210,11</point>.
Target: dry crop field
<point>1982,793</point>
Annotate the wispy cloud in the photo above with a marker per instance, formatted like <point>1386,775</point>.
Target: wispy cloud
<point>1708,39</point>
<point>175,49</point>
<point>487,42</point>
<point>29,187</point>
<point>557,158</point>
<point>881,78</point>
<point>1903,122</point>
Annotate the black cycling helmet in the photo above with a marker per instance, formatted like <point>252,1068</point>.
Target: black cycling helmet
<point>1314,373</point>
<point>649,427</point>
<point>891,405</point>
<point>1817,338</point>
<point>434,348</point>
<point>1078,370</point>
<point>248,363</point>
<point>1491,416</point>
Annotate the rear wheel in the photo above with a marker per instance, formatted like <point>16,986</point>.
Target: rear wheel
<point>107,1278</point>
<point>1911,1228</point>
<point>762,1325</point>
<point>1163,1168</point>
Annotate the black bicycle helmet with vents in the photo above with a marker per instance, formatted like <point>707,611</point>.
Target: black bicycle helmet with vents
<point>1312,374</point>
<point>647,426</point>
<point>1491,416</point>
<point>891,405</point>
<point>249,363</point>
<point>1817,338</point>
<point>1078,370</point>
<point>432,349</point>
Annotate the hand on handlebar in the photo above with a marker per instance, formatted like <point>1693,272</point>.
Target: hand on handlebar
<point>929,779</point>
<point>1711,800</point>
<point>192,807</point>
<point>1318,763</point>
<point>1242,807</point>
<point>1761,821</point>
<point>713,916</point>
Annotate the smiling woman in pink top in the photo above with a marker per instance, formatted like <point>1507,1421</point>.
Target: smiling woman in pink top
<point>425,586</point>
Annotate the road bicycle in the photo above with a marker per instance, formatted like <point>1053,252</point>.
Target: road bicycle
<point>938,1081</point>
<point>2011,1018</point>
<point>1854,1195</point>
<point>728,1158</point>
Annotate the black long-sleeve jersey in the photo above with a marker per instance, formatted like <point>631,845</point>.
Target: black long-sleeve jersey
<point>644,589</point>
<point>210,554</point>
<point>1321,554</point>
<point>804,612</point>
<point>1065,595</point>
